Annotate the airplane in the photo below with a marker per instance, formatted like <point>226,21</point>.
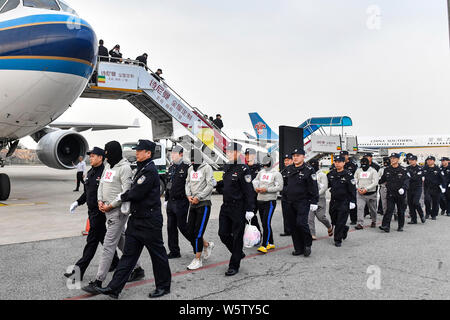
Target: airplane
<point>47,55</point>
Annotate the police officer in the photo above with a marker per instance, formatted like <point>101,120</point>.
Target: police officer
<point>382,204</point>
<point>351,167</point>
<point>144,226</point>
<point>177,204</point>
<point>287,229</point>
<point>434,185</point>
<point>97,219</point>
<point>238,205</point>
<point>415,190</point>
<point>343,198</point>
<point>255,168</point>
<point>445,168</point>
<point>302,196</point>
<point>397,183</point>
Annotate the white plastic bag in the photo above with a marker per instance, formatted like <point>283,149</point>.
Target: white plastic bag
<point>252,236</point>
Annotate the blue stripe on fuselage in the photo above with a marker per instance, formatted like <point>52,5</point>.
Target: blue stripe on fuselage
<point>47,65</point>
<point>39,18</point>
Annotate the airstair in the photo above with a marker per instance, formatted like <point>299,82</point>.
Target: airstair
<point>159,102</point>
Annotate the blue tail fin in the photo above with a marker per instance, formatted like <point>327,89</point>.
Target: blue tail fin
<point>262,129</point>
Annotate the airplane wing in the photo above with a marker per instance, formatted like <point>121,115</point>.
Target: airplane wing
<point>80,127</point>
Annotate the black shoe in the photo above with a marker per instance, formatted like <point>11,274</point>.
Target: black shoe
<point>384,229</point>
<point>427,216</point>
<point>448,214</point>
<point>242,256</point>
<point>307,252</point>
<point>108,292</point>
<point>76,190</point>
<point>434,218</point>
<point>353,223</point>
<point>442,212</point>
<point>231,272</point>
<point>412,222</point>
<point>174,255</point>
<point>338,244</point>
<point>400,229</point>
<point>345,232</point>
<point>359,227</point>
<point>93,287</point>
<point>136,275</point>
<point>158,293</point>
<point>285,234</point>
<point>373,225</point>
<point>297,253</point>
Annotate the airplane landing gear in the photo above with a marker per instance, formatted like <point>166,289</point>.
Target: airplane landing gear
<point>5,187</point>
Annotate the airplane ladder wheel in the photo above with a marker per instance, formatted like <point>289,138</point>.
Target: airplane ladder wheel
<point>5,187</point>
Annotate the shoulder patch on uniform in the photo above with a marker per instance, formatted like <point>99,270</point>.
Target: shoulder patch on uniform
<point>248,178</point>
<point>408,174</point>
<point>314,176</point>
<point>353,181</point>
<point>141,180</point>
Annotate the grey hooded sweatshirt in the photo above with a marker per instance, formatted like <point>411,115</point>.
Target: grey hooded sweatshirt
<point>200,184</point>
<point>271,180</point>
<point>114,182</point>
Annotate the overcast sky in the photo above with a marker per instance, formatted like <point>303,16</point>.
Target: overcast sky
<point>289,60</point>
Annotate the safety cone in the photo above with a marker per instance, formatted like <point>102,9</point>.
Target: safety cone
<point>86,231</point>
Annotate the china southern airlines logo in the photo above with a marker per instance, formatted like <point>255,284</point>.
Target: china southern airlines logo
<point>260,127</point>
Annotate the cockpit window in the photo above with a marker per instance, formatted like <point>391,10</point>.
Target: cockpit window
<point>66,8</point>
<point>11,4</point>
<point>42,4</point>
<point>2,2</point>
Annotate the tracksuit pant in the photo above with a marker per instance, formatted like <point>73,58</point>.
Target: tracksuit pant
<point>414,205</point>
<point>339,212</point>
<point>196,226</point>
<point>266,210</point>
<point>298,213</point>
<point>366,200</point>
<point>432,198</point>
<point>177,213</point>
<point>96,235</point>
<point>395,200</point>
<point>321,214</point>
<point>231,230</point>
<point>143,232</point>
<point>383,198</point>
<point>114,238</point>
<point>284,209</point>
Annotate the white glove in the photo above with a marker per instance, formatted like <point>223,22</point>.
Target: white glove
<point>249,215</point>
<point>401,191</point>
<point>165,204</point>
<point>443,189</point>
<point>352,206</point>
<point>73,206</point>
<point>313,207</point>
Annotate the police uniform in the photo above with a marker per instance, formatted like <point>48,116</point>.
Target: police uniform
<point>97,219</point>
<point>445,203</point>
<point>177,204</point>
<point>237,200</point>
<point>144,229</point>
<point>284,205</point>
<point>415,192</point>
<point>343,192</point>
<point>395,179</point>
<point>434,181</point>
<point>302,191</point>
<point>254,170</point>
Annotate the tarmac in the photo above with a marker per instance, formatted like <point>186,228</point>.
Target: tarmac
<point>40,239</point>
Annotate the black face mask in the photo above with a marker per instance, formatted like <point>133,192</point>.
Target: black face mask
<point>365,167</point>
<point>113,151</point>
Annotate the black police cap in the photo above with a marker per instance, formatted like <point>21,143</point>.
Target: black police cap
<point>395,155</point>
<point>98,151</point>
<point>412,157</point>
<point>339,159</point>
<point>344,153</point>
<point>431,158</point>
<point>250,151</point>
<point>145,145</point>
<point>298,151</point>
<point>287,156</point>
<point>445,159</point>
<point>368,154</point>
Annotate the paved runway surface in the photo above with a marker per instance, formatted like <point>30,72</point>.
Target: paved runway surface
<point>39,240</point>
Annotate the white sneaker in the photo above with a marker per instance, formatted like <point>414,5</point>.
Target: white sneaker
<point>208,250</point>
<point>195,264</point>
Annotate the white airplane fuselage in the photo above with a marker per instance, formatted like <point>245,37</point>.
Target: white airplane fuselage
<point>46,60</point>
<point>403,142</point>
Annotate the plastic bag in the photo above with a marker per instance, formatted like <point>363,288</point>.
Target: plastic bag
<point>252,236</point>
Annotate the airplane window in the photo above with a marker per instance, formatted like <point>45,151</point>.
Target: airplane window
<point>41,4</point>
<point>66,8</point>
<point>11,4</point>
<point>2,2</point>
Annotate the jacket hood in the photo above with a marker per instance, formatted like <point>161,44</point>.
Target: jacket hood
<point>113,152</point>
